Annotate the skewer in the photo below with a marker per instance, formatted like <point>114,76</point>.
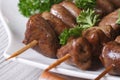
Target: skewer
<point>59,61</point>
<point>33,43</point>
<point>104,72</point>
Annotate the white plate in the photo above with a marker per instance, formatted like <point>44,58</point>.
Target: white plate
<point>15,25</point>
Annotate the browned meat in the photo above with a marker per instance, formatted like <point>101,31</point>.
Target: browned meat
<point>109,31</point>
<point>105,5</point>
<point>56,23</point>
<point>60,12</point>
<point>80,51</point>
<point>71,7</point>
<point>96,38</point>
<point>116,3</point>
<point>111,19</point>
<point>117,39</point>
<point>38,29</point>
<point>99,11</point>
<point>111,55</point>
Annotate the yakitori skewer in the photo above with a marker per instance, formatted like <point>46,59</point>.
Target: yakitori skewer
<point>59,61</point>
<point>104,72</point>
<point>33,43</point>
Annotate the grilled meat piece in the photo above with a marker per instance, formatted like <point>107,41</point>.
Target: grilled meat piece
<point>99,11</point>
<point>116,3</point>
<point>105,5</point>
<point>71,7</point>
<point>111,19</point>
<point>38,29</point>
<point>57,24</point>
<point>117,39</point>
<point>62,13</point>
<point>111,55</point>
<point>96,37</point>
<point>80,51</point>
<point>109,31</point>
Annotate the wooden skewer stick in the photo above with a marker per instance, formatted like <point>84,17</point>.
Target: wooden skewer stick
<point>104,72</point>
<point>33,43</point>
<point>59,61</point>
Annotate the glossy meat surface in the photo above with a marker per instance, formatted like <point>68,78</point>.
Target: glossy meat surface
<point>117,39</point>
<point>80,51</point>
<point>71,7</point>
<point>111,55</point>
<point>38,29</point>
<point>111,19</point>
<point>96,37</point>
<point>62,13</point>
<point>57,24</point>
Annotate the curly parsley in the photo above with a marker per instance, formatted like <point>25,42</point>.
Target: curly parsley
<point>30,7</point>
<point>85,20</point>
<point>118,20</point>
<point>85,4</point>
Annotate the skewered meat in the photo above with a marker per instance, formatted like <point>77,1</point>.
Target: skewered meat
<point>105,5</point>
<point>38,29</point>
<point>62,13</point>
<point>109,31</point>
<point>80,51</point>
<point>57,24</point>
<point>96,37</point>
<point>117,39</point>
<point>116,3</point>
<point>111,55</point>
<point>99,11</point>
<point>71,7</point>
<point>111,20</point>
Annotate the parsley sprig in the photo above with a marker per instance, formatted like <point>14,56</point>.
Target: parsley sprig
<point>118,20</point>
<point>85,4</point>
<point>85,20</point>
<point>30,7</point>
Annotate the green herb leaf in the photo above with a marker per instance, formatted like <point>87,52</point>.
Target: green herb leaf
<point>118,20</point>
<point>85,20</point>
<point>64,36</point>
<point>85,4</point>
<point>30,7</point>
<point>76,31</point>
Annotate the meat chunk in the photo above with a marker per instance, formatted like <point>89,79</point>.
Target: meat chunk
<point>105,5</point>
<point>71,7</point>
<point>38,29</point>
<point>99,11</point>
<point>111,55</point>
<point>62,13</point>
<point>96,38</point>
<point>109,31</point>
<point>80,51</point>
<point>116,3</point>
<point>55,22</point>
<point>111,19</point>
<point>117,39</point>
